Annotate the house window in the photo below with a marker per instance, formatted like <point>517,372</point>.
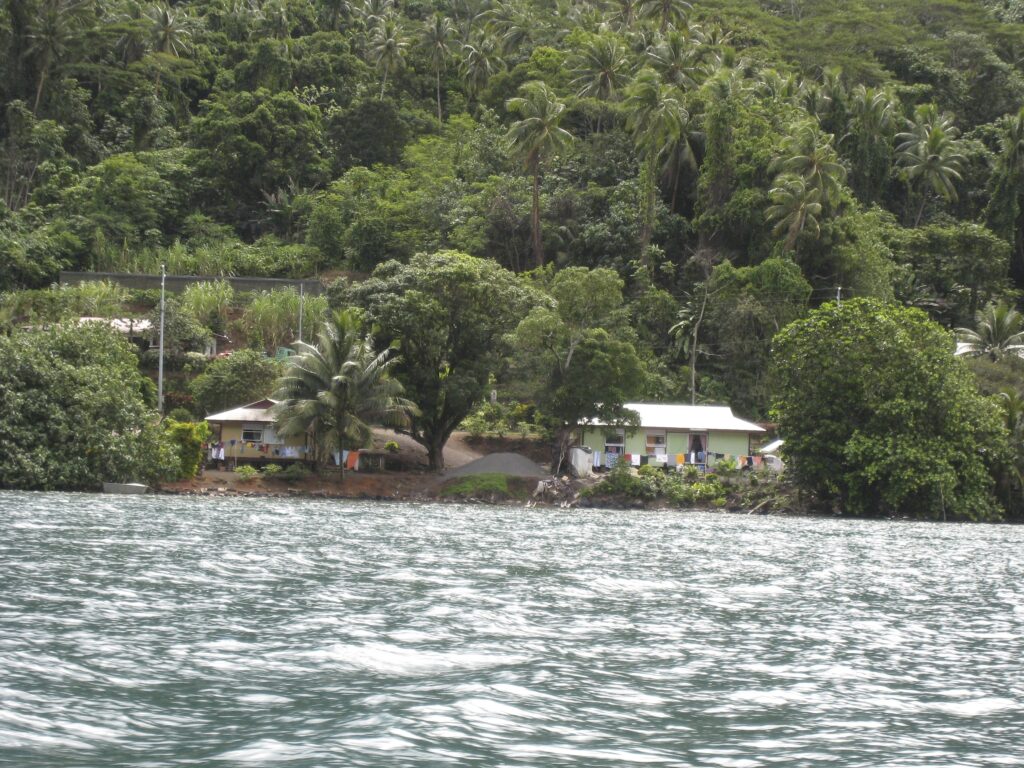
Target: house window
<point>656,443</point>
<point>252,433</point>
<point>615,442</point>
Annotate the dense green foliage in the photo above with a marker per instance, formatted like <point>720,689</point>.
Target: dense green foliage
<point>336,389</point>
<point>449,314</point>
<point>878,414</point>
<point>621,484</point>
<point>186,439</point>
<point>73,413</point>
<point>575,347</point>
<point>227,382</point>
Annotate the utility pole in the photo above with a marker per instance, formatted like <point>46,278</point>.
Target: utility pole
<point>160,368</point>
<point>301,306</point>
<point>839,296</point>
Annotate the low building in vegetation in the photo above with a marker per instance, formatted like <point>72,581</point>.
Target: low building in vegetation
<point>674,435</point>
<point>246,435</point>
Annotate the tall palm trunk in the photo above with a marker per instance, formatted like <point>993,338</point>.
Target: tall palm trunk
<point>693,347</point>
<point>647,226</point>
<point>794,231</point>
<point>383,83</point>
<point>538,243</point>
<point>42,79</point>
<point>437,77</point>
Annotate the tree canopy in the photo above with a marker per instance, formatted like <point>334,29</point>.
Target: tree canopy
<point>878,414</point>
<point>73,412</point>
<point>448,314</point>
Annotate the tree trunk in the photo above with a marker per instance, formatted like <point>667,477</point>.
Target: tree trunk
<point>39,90</point>
<point>538,245</point>
<point>437,76</point>
<point>383,83</point>
<point>435,453</point>
<point>920,211</point>
<point>794,233</point>
<point>693,348</point>
<point>647,225</point>
<point>562,451</point>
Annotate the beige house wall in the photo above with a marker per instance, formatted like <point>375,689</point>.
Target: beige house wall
<point>240,450</point>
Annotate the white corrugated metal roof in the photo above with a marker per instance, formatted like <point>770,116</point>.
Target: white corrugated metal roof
<point>248,412</point>
<point>691,417</point>
<point>772,447</point>
<point>122,324</point>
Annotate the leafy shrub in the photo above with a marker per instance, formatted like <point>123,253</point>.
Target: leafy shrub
<point>391,446</point>
<point>486,485</point>
<point>272,470</point>
<point>650,482</point>
<point>294,472</point>
<point>179,414</point>
<point>727,468</point>
<point>247,473</point>
<point>187,438</point>
<point>621,481</point>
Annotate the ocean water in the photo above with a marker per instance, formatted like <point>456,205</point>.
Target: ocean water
<point>171,631</point>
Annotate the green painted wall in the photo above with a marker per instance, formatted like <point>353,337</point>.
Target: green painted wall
<point>636,442</point>
<point>678,442</point>
<point>730,443</point>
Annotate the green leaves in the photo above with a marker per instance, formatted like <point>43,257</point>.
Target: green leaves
<point>72,413</point>
<point>337,389</point>
<point>451,313</point>
<point>878,415</point>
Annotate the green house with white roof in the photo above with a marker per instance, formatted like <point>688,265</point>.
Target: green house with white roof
<point>670,434</point>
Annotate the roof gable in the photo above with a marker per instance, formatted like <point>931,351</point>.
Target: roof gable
<point>258,411</point>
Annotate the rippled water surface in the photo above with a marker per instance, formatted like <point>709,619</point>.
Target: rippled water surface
<point>163,631</point>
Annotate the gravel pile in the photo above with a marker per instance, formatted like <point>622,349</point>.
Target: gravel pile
<point>513,464</point>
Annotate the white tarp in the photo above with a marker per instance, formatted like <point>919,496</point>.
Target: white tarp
<point>581,461</point>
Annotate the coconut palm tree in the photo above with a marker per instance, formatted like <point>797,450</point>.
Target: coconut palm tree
<point>930,155</point>
<point>677,58</point>
<point>334,11</point>
<point>871,127</point>
<point>1006,201</point>
<point>999,333</point>
<point>655,117</point>
<point>49,33</point>
<point>626,13</point>
<point>666,11</point>
<point>796,206</point>
<point>511,25</point>
<point>480,60</point>
<point>339,388</point>
<point>602,69</point>
<point>133,24</point>
<point>387,48</point>
<point>375,11</point>
<point>534,136</point>
<point>810,155</point>
<point>436,40</point>
<point>170,30</point>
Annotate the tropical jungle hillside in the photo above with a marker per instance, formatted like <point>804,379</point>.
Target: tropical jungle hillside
<point>707,172</point>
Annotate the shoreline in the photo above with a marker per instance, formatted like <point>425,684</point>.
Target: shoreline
<point>421,488</point>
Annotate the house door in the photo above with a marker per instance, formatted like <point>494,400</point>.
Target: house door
<point>698,447</point>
